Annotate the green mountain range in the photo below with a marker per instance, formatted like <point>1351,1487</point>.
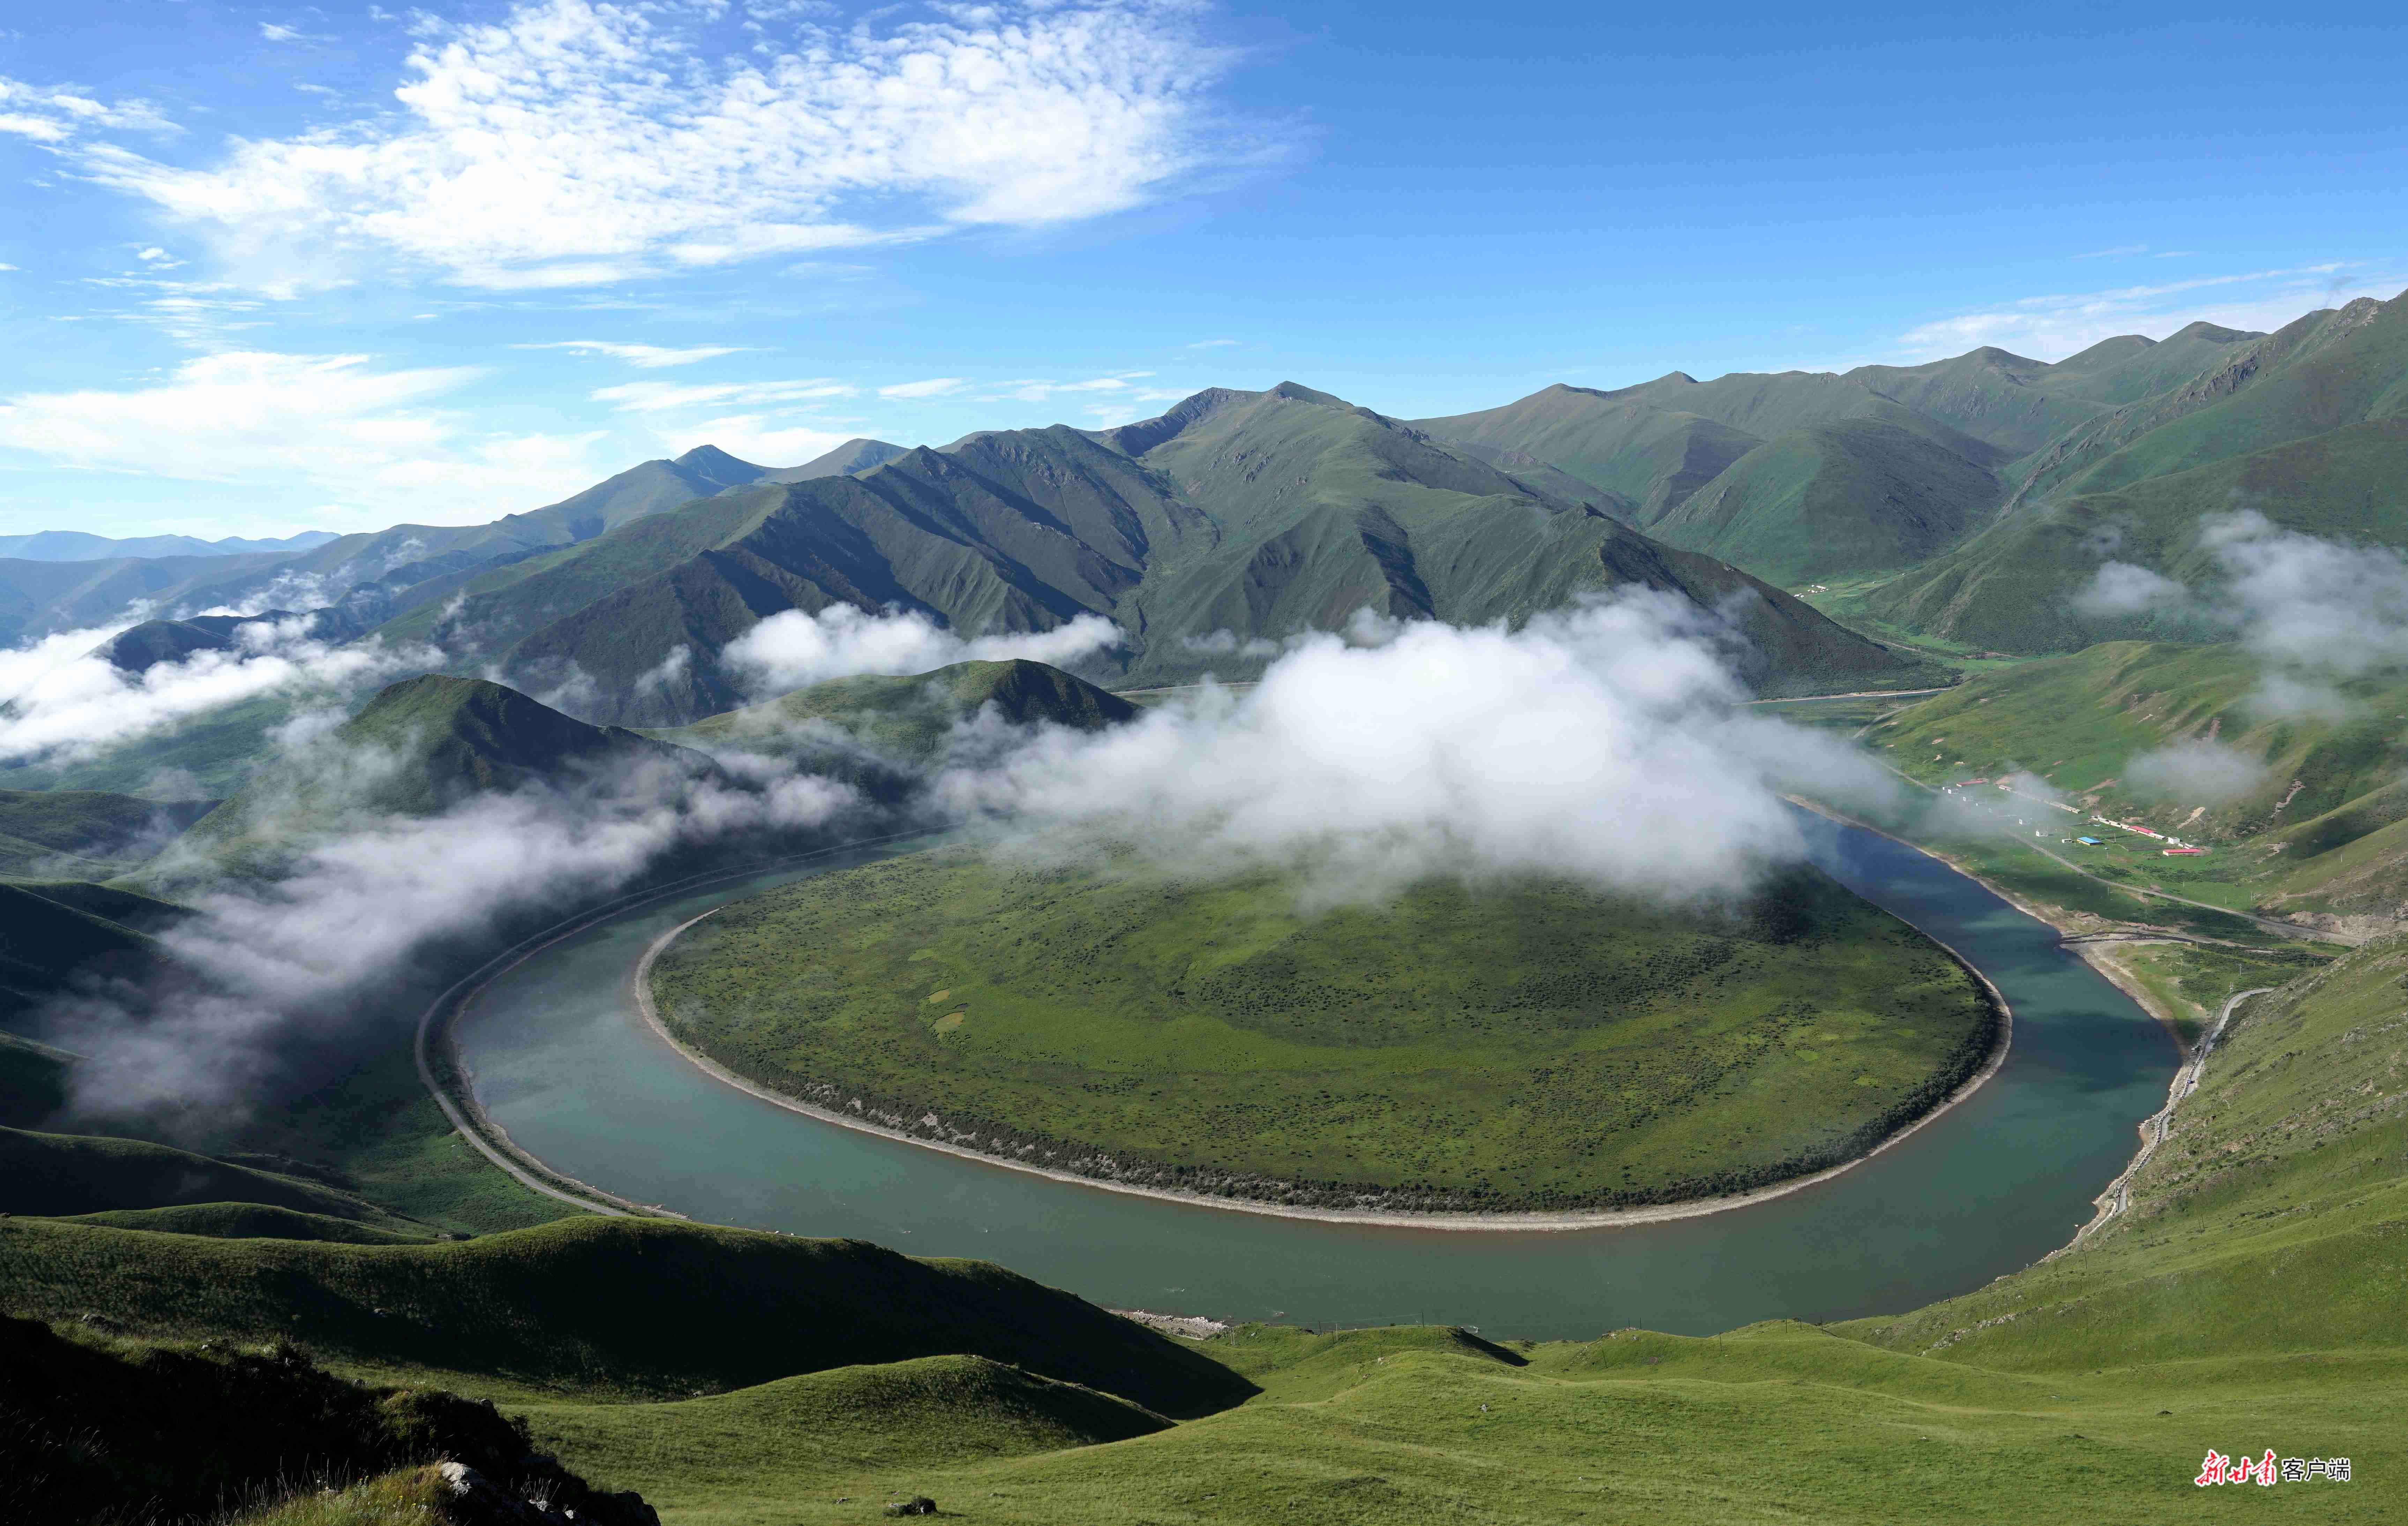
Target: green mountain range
<point>1799,476</point>
<point>1970,500</point>
<point>1256,515</point>
<point>419,747</point>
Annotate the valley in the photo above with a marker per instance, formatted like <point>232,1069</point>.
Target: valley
<point>1776,1122</point>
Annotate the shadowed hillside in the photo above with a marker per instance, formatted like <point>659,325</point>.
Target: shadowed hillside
<point>1251,513</point>
<point>906,720</point>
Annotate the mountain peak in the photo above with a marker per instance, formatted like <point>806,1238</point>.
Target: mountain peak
<point>711,461</point>
<point>1134,439</point>
<point>1298,392</point>
<point>2212,333</point>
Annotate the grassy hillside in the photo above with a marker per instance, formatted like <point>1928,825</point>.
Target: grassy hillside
<point>1879,491</point>
<point>33,1081</point>
<point>63,934</point>
<point>549,1309</point>
<point>2015,585</point>
<point>1326,508</point>
<point>2247,1300</point>
<point>906,719</point>
<point>418,747</point>
<point>2262,1243</point>
<point>79,833</point>
<point>54,1175</point>
<point>2308,426</point>
<point>805,1433</point>
<point>1532,1046</point>
<point>2315,830</point>
<point>1254,514</point>
<point>102,1429</point>
<point>1651,456</point>
<point>1835,477</point>
<point>249,1221</point>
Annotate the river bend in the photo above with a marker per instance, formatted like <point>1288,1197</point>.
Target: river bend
<point>561,1062</point>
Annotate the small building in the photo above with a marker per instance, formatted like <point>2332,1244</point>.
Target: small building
<point>2182,852</point>
<point>2090,842</point>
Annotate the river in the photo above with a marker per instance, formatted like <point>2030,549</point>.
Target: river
<point>561,1062</point>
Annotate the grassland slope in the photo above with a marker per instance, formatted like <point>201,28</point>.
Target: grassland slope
<point>419,747</point>
<point>2303,426</point>
<point>65,1174</point>
<point>907,719</point>
<point>1886,489</point>
<point>556,1309</point>
<point>2310,826</point>
<point>1253,514</point>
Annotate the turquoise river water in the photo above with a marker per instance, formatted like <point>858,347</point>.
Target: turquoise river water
<point>560,1061</point>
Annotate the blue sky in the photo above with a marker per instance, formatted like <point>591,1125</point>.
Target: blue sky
<point>284,267</point>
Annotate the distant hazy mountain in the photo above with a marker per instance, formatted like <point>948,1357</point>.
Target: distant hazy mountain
<point>364,578</point>
<point>851,456</point>
<point>75,546</point>
<point>154,642</point>
<point>1255,513</point>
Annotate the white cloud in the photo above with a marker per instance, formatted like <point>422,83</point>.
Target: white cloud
<point>2310,609</point>
<point>1039,390</point>
<point>365,436</point>
<point>59,701</point>
<point>1600,742</point>
<point>792,648</point>
<point>2195,773</point>
<point>2313,604</point>
<point>57,115</point>
<point>1212,344</point>
<point>2052,328</point>
<point>282,967</point>
<point>577,142</point>
<point>2120,249</point>
<point>936,387</point>
<point>664,396</point>
<point>649,357</point>
<point>2123,588</point>
<point>7,267</point>
<point>1224,642</point>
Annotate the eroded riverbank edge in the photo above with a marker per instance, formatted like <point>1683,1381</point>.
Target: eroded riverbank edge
<point>1504,1221</point>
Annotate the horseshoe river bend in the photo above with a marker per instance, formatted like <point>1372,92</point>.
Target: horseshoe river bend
<point>561,1060</point>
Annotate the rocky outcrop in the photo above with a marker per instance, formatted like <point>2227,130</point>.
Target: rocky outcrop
<point>536,1492</point>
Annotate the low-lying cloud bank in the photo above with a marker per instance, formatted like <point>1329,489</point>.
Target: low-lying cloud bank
<point>2312,610</point>
<point>2196,772</point>
<point>273,983</point>
<point>1605,744</point>
<point>792,648</point>
<point>61,703</point>
<point>1599,743</point>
